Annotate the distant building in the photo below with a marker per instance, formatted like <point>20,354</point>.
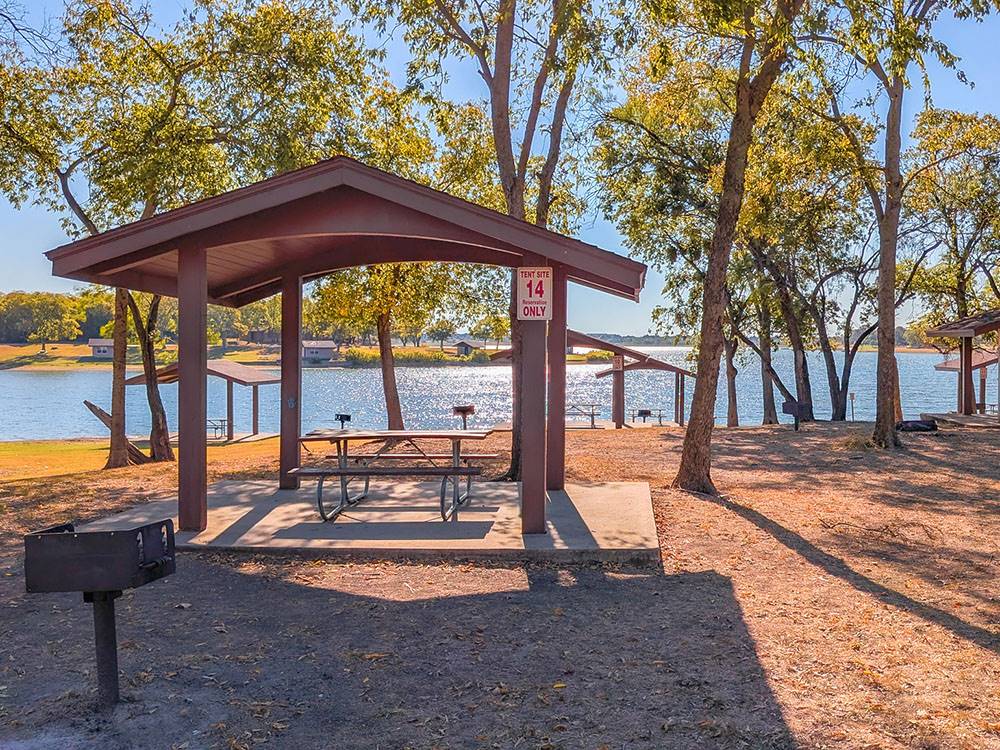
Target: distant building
<point>102,348</point>
<point>318,351</point>
<point>464,348</point>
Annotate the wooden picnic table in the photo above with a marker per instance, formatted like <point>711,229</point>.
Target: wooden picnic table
<point>364,469</point>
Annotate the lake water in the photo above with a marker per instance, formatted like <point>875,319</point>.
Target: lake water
<point>46,405</point>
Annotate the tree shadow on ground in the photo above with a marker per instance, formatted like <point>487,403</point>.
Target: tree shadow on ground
<point>225,654</point>
<point>907,478</point>
<point>837,567</point>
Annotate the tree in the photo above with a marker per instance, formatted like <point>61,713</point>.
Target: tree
<point>530,55</point>
<point>130,120</point>
<point>954,204</point>
<point>441,330</point>
<point>883,41</point>
<point>262,317</point>
<point>700,159</point>
<point>762,37</point>
<point>55,317</point>
<point>98,305</point>
<point>377,296</point>
<point>806,227</point>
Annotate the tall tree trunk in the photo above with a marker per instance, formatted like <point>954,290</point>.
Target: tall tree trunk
<point>884,435</point>
<point>118,455</point>
<point>145,329</point>
<point>393,408</point>
<point>803,384</point>
<point>845,381</point>
<point>732,406</point>
<point>695,471</point>
<point>838,407</point>
<point>767,383</point>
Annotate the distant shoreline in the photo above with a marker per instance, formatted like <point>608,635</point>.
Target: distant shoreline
<point>68,365</point>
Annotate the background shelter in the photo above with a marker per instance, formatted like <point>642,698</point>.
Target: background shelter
<point>231,372</point>
<point>636,360</point>
<point>247,244</point>
<point>965,330</point>
<point>981,361</point>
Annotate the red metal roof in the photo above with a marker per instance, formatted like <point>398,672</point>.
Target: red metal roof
<point>336,214</point>
<point>221,368</point>
<point>641,360</point>
<point>980,359</point>
<point>974,325</point>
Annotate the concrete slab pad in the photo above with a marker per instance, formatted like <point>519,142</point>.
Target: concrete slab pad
<point>586,522</point>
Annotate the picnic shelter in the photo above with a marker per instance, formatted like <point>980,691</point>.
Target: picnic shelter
<point>233,373</point>
<point>626,360</point>
<point>968,360</point>
<point>248,244</point>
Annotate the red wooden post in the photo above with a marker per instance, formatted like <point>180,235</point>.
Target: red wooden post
<point>230,431</point>
<point>968,392</point>
<point>555,472</point>
<point>256,409</point>
<point>533,427</point>
<point>192,397</point>
<point>618,398</point>
<point>291,379</point>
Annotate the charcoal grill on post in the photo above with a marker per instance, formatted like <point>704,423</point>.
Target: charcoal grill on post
<point>793,409</point>
<point>100,564</point>
<point>464,411</point>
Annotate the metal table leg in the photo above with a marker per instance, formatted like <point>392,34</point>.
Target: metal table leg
<point>458,498</point>
<point>345,498</point>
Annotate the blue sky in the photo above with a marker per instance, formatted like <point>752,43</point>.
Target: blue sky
<point>26,233</point>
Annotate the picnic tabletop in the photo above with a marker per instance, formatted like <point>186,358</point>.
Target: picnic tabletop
<point>341,435</point>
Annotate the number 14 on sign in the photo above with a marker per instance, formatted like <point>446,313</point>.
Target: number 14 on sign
<point>534,293</point>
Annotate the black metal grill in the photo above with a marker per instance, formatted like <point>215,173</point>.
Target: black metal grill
<point>100,564</point>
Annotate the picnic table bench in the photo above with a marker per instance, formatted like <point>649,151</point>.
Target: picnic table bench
<point>361,465</point>
<point>218,427</point>
<point>584,410</point>
<point>645,414</point>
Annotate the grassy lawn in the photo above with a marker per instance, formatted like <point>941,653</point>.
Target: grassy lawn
<point>65,356</point>
<point>46,458</point>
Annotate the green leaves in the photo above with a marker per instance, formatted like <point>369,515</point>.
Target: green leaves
<point>132,119</point>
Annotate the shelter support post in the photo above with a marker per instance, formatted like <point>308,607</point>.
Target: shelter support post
<point>555,471</point>
<point>192,397</point>
<point>966,389</point>
<point>533,440</point>
<point>291,380</point>
<point>230,431</point>
<point>981,404</point>
<point>256,410</point>
<point>618,398</point>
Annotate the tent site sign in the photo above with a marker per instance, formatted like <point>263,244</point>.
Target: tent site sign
<point>534,293</point>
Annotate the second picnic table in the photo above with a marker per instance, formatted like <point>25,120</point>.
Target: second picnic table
<point>342,438</point>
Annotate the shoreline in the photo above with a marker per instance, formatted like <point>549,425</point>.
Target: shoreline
<point>134,368</point>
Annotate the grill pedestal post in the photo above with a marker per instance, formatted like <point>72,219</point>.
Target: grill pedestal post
<point>106,646</point>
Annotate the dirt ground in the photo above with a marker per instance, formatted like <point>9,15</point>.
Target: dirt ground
<point>835,597</point>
